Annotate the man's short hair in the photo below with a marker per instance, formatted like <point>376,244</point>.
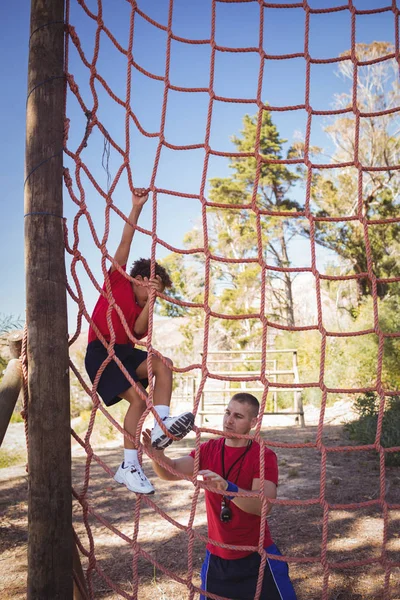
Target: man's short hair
<point>249,399</point>
<point>142,267</point>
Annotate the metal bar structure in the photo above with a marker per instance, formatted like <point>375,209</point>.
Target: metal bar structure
<point>246,378</point>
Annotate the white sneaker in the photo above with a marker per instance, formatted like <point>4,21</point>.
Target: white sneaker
<point>133,477</point>
<point>178,426</point>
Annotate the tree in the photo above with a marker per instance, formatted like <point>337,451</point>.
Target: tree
<point>232,236</point>
<point>235,286</point>
<point>187,284</point>
<point>186,272</point>
<point>234,231</point>
<point>336,194</point>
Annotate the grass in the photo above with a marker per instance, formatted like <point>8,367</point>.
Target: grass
<point>363,429</point>
<point>16,417</point>
<point>103,430</point>
<point>12,459</point>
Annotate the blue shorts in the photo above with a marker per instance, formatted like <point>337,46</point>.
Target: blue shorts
<point>112,381</point>
<point>237,579</point>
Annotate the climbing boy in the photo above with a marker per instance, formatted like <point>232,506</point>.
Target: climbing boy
<point>132,295</point>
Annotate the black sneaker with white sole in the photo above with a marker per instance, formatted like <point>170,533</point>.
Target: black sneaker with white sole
<point>178,426</point>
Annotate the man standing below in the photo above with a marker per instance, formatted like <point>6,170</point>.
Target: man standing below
<point>233,465</point>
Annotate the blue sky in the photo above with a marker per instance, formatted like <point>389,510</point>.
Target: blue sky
<point>237,25</point>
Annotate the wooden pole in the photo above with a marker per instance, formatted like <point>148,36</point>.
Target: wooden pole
<point>298,401</point>
<point>15,344</point>
<point>10,388</point>
<point>49,444</point>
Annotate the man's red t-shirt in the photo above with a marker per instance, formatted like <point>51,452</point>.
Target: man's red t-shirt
<point>244,528</point>
<point>124,297</point>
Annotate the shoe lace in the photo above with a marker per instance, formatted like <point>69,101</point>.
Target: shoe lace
<point>137,469</point>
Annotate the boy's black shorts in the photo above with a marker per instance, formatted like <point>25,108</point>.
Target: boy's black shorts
<point>237,579</point>
<point>112,381</point>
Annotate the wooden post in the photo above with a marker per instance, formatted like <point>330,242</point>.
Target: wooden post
<point>15,344</point>
<point>49,451</point>
<point>298,401</point>
<point>9,391</point>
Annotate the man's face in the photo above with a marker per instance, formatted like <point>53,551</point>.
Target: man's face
<point>239,418</point>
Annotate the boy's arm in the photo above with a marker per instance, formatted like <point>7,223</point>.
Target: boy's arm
<point>183,465</point>
<point>139,198</point>
<point>142,322</point>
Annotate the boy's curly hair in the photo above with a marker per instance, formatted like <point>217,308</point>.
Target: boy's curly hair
<point>142,267</point>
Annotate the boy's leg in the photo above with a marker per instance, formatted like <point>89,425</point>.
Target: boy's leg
<point>133,414</point>
<point>163,380</point>
<point>178,426</point>
<point>130,472</point>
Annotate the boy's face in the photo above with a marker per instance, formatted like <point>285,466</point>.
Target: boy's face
<point>142,292</point>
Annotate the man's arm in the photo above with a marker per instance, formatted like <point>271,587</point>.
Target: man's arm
<point>183,465</point>
<point>139,198</point>
<point>253,505</point>
<point>248,504</point>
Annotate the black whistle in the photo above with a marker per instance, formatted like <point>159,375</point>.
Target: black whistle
<point>226,514</point>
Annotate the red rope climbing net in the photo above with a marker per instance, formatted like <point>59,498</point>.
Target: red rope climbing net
<point>74,181</point>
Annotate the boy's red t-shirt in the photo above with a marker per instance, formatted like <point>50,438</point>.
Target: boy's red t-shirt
<point>244,528</point>
<point>124,297</point>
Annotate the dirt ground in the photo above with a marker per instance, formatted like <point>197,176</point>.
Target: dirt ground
<point>297,530</point>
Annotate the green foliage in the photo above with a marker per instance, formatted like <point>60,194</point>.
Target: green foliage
<point>367,405</point>
<point>103,431</point>
<point>235,233</point>
<point>363,430</point>
<point>11,458</point>
<point>388,311</point>
<point>79,400</point>
<point>340,192</point>
<point>308,345</point>
<point>16,417</point>
<point>3,364</point>
<point>187,284</point>
<point>350,362</point>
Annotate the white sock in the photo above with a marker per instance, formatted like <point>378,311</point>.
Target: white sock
<point>162,410</point>
<point>130,457</point>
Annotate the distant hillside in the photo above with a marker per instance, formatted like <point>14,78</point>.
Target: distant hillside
<point>168,338</point>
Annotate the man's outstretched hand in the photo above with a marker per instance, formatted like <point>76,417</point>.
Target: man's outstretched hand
<point>148,448</point>
<point>214,479</point>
